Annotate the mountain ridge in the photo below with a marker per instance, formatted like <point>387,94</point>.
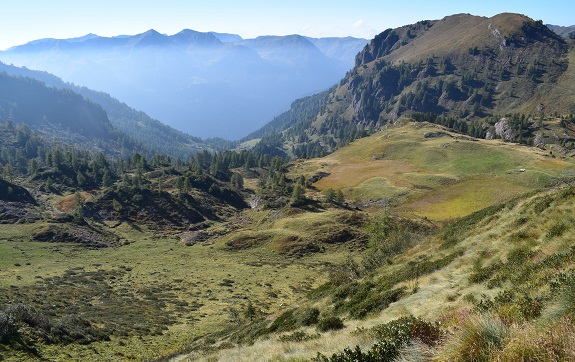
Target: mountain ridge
<point>470,71</point>
<point>151,135</point>
<point>183,79</point>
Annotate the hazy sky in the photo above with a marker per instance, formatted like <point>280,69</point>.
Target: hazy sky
<point>25,20</point>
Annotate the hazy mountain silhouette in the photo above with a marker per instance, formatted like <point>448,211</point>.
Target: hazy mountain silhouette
<point>206,84</point>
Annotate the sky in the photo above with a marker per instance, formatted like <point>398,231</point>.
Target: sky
<point>26,20</point>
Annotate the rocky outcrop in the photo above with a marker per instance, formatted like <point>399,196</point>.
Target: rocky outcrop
<point>80,234</point>
<point>17,212</point>
<point>504,130</point>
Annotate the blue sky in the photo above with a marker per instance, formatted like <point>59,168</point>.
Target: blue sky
<point>25,20</point>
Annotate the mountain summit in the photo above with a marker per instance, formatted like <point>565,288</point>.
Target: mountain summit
<point>473,70</point>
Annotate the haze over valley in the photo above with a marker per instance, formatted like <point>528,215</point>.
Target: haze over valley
<point>204,84</point>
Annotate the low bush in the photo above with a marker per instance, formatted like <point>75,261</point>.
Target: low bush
<point>563,288</point>
<point>298,336</point>
<point>307,316</point>
<point>329,324</point>
<point>556,230</point>
<point>8,328</point>
<point>66,329</point>
<point>72,328</point>
<point>393,336</point>
<point>294,318</point>
<point>374,302</point>
<point>23,313</point>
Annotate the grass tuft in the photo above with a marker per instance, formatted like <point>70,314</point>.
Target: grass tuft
<point>475,340</point>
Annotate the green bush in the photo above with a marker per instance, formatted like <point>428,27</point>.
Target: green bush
<point>8,328</point>
<point>298,336</point>
<point>294,318</point>
<point>563,287</point>
<point>376,302</point>
<point>21,312</point>
<point>66,329</point>
<point>479,274</point>
<point>393,336</point>
<point>285,322</point>
<point>72,328</point>
<point>329,323</point>
<point>556,230</point>
<point>307,316</point>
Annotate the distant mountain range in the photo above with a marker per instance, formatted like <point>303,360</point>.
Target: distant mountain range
<point>205,84</point>
<point>565,31</point>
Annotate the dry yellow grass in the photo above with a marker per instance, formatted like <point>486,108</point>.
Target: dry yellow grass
<point>462,198</point>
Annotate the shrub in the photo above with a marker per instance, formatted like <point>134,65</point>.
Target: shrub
<point>406,328</point>
<point>72,328</point>
<point>329,323</point>
<point>307,316</point>
<point>8,328</point>
<point>556,230</point>
<point>393,336</point>
<point>285,322</point>
<point>564,287</point>
<point>298,336</point>
<point>376,301</point>
<point>480,274</point>
<point>542,204</point>
<point>21,312</point>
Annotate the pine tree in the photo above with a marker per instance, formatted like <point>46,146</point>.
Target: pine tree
<point>330,195</point>
<point>80,178</point>
<point>298,193</point>
<point>106,179</point>
<point>8,172</point>
<point>339,197</point>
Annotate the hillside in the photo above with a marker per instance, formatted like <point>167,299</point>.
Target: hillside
<point>496,285</point>
<point>152,135</point>
<point>59,114</point>
<point>184,79</point>
<point>503,77</point>
<point>426,171</point>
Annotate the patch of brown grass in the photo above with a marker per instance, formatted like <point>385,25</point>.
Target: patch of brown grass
<point>69,203</point>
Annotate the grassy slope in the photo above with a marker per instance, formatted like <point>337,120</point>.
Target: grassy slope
<point>448,294</point>
<point>439,178</point>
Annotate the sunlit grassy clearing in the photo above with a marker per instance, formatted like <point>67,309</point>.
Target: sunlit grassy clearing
<point>376,188</point>
<point>349,175</point>
<point>463,198</point>
<point>437,177</point>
